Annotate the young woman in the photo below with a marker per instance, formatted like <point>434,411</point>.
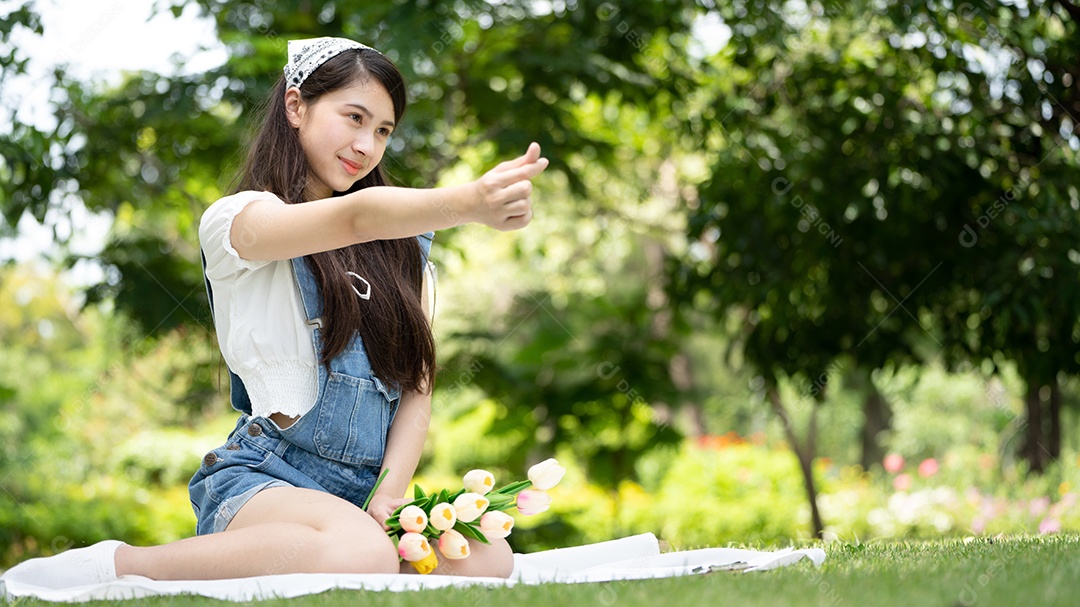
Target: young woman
<point>316,271</point>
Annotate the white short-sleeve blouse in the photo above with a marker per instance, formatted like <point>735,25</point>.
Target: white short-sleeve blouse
<point>259,316</point>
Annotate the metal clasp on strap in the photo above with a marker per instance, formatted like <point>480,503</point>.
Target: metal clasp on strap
<point>365,295</point>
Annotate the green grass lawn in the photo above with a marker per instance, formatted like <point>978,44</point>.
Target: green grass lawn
<point>1025,571</point>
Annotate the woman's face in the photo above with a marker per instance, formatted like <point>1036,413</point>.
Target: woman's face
<point>343,133</point>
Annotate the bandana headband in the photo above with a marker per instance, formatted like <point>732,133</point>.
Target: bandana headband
<point>305,56</point>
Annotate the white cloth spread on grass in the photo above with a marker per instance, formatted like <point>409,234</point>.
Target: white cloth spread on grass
<point>630,558</point>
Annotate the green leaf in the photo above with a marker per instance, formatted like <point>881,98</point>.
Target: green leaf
<point>501,502</point>
<point>378,482</point>
<point>470,530</point>
<point>512,488</point>
<point>418,492</point>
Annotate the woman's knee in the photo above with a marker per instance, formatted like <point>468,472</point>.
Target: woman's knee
<point>485,560</point>
<point>337,536</point>
<point>358,546</point>
<point>501,558</point>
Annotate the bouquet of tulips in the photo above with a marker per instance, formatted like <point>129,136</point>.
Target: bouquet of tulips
<point>477,511</point>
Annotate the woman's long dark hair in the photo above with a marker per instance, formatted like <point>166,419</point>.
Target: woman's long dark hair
<point>392,324</point>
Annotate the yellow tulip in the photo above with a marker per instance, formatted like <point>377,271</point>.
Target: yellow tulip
<point>427,564</point>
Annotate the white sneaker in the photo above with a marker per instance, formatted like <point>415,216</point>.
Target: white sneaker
<point>76,567</point>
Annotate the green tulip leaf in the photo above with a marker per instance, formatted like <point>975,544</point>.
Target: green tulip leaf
<point>471,530</point>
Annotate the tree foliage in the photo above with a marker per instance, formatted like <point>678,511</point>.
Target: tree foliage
<point>891,182</point>
<point>842,187</point>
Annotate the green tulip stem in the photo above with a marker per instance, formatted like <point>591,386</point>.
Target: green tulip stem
<point>375,488</point>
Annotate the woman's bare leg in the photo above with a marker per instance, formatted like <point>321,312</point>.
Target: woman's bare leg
<point>279,530</point>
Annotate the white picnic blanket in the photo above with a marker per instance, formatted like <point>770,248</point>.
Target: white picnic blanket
<point>629,558</point>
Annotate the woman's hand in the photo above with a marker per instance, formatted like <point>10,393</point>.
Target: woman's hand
<point>382,506</point>
<point>503,193</point>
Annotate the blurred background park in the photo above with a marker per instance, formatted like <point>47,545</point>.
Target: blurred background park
<point>798,269</point>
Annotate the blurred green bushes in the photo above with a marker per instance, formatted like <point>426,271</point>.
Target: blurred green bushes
<point>93,445</point>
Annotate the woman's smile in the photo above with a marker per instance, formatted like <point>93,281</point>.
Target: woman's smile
<point>352,168</point>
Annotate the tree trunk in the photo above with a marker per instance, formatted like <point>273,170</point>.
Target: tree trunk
<point>805,454</point>
<point>1054,440</point>
<point>698,426</point>
<point>1034,449</point>
<point>877,417</point>
<point>682,377</point>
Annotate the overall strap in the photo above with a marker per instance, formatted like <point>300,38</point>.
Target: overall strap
<point>309,291</point>
<point>238,395</point>
<point>425,244</point>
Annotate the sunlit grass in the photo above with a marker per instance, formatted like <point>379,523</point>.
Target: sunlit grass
<point>1012,570</point>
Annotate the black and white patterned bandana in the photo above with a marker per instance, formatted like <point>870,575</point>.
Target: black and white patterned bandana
<point>305,56</point>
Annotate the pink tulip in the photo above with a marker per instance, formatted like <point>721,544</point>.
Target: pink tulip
<point>928,467</point>
<point>894,462</point>
<point>902,482</point>
<point>533,501</point>
<point>413,547</point>
<point>443,516</point>
<point>453,545</point>
<point>546,474</point>
<point>413,519</point>
<point>496,525</point>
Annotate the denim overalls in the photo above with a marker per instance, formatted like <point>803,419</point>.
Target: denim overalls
<point>336,447</point>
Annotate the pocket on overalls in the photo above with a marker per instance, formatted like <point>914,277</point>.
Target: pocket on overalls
<point>354,416</point>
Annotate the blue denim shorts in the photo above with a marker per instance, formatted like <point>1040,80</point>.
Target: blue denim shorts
<point>255,457</point>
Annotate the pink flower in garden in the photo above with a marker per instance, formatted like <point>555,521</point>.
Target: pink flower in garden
<point>978,525</point>
<point>894,462</point>
<point>928,467</point>
<point>1049,525</point>
<point>902,482</point>
<point>974,497</point>
<point>1039,506</point>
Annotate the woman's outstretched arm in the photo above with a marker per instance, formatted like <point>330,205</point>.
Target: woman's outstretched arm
<point>269,230</point>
